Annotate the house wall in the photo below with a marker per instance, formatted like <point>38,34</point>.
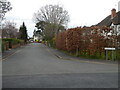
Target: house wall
<point>118,29</point>
<point>37,38</point>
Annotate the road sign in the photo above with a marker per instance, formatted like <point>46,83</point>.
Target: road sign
<point>109,48</point>
<point>112,49</point>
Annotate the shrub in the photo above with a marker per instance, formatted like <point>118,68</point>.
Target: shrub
<point>3,46</point>
<point>87,41</point>
<point>11,41</point>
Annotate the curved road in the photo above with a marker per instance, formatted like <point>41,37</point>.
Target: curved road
<point>35,66</point>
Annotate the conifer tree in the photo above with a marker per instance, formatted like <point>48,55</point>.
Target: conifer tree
<point>23,32</point>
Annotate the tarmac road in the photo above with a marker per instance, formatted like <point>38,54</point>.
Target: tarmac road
<point>35,66</point>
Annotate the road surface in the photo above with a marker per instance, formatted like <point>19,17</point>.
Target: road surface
<point>35,66</point>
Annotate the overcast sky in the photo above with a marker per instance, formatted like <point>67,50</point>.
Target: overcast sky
<point>82,12</point>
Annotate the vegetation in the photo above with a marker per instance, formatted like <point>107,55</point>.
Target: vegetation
<point>5,6</point>
<point>11,42</point>
<point>3,46</point>
<point>23,33</point>
<point>87,41</point>
<point>51,19</point>
<point>9,30</point>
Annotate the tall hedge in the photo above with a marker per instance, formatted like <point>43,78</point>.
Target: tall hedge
<point>88,40</point>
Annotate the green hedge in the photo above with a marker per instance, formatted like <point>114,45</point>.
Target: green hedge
<point>11,41</point>
<point>97,55</point>
<point>3,46</point>
<point>52,42</point>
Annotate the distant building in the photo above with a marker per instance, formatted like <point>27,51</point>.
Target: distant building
<point>37,36</point>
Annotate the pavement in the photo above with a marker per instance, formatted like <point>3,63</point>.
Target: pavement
<point>9,52</point>
<point>60,54</point>
<point>38,66</point>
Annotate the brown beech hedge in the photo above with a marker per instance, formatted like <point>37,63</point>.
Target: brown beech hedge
<point>86,39</point>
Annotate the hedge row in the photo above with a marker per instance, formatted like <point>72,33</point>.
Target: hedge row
<point>11,42</point>
<point>50,43</point>
<point>86,41</point>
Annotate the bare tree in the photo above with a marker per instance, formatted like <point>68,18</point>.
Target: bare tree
<point>5,6</point>
<point>9,30</point>
<point>54,15</point>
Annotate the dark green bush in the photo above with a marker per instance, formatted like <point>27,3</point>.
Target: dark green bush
<point>3,46</point>
<point>11,41</point>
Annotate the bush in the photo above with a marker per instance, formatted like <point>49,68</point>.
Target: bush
<point>11,41</point>
<point>87,42</point>
<point>52,42</point>
<point>2,45</point>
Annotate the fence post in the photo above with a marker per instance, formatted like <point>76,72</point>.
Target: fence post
<point>106,55</point>
<point>112,55</point>
<point>77,51</point>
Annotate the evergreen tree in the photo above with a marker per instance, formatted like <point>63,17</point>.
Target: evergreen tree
<point>23,33</point>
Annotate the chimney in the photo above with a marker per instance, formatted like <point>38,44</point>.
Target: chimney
<point>113,13</point>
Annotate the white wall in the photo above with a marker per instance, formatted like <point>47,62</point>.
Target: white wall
<point>36,38</point>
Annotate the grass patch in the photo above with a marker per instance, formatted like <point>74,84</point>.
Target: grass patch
<point>96,56</point>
